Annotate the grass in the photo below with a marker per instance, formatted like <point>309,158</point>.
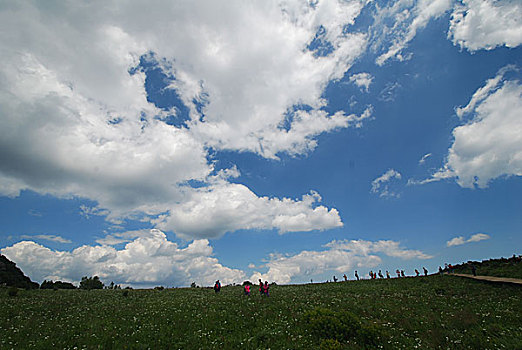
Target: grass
<point>424,312</point>
<point>511,267</point>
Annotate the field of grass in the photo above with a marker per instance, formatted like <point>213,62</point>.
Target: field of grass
<point>426,312</point>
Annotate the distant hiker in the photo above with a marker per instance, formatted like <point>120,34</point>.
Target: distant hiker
<point>473,270</point>
<point>247,289</point>
<point>425,271</point>
<point>371,274</point>
<point>417,273</point>
<point>446,267</point>
<point>398,273</point>
<point>387,274</point>
<point>345,278</point>
<point>450,268</point>
<point>440,270</point>
<point>402,273</point>
<point>265,289</point>
<point>380,274</point>
<point>261,289</point>
<point>335,279</point>
<point>356,275</point>
<point>217,286</point>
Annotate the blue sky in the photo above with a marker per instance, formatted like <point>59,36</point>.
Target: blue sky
<point>287,141</point>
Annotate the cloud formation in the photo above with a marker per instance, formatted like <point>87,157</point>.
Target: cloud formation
<point>77,120</point>
<point>485,24</point>
<point>407,18</point>
<point>362,80</point>
<point>460,239</point>
<point>381,186</point>
<point>148,260</point>
<point>340,257</point>
<point>489,145</point>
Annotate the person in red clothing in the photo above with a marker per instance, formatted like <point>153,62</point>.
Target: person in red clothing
<point>265,289</point>
<point>247,289</point>
<point>261,291</point>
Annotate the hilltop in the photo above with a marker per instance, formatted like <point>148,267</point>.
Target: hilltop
<point>498,267</point>
<point>10,275</point>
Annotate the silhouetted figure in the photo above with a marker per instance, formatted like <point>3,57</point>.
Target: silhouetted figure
<point>425,271</point>
<point>402,273</point>
<point>417,273</point>
<point>356,275</point>
<point>387,274</point>
<point>441,271</point>
<point>217,286</point>
<point>398,273</point>
<point>345,278</point>
<point>261,291</point>
<point>335,279</point>
<point>247,289</point>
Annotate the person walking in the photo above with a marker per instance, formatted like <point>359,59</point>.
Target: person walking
<point>261,289</point>
<point>345,278</point>
<point>417,273</point>
<point>265,289</point>
<point>356,275</point>
<point>217,286</point>
<point>398,273</point>
<point>387,274</point>
<point>425,271</point>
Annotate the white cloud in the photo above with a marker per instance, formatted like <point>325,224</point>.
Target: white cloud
<point>75,122</point>
<point>214,210</point>
<point>52,238</point>
<point>380,185</point>
<point>146,261</point>
<point>424,158</point>
<point>408,17</point>
<point>340,257</point>
<point>486,24</point>
<point>362,80</point>
<point>461,240</point>
<point>490,144</point>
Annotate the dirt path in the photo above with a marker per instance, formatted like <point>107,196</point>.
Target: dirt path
<point>491,278</point>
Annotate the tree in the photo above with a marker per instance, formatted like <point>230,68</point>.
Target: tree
<point>91,283</point>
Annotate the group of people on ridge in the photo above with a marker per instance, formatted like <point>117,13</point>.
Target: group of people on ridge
<point>263,288</point>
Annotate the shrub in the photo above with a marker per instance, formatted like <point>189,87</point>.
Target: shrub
<point>159,288</point>
<point>330,344</point>
<point>125,293</point>
<point>13,291</point>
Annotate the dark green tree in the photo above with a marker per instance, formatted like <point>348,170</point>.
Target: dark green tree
<point>91,283</point>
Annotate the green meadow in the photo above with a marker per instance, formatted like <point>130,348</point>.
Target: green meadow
<point>425,313</point>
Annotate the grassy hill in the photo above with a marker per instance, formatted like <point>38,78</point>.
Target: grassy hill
<point>423,312</point>
<point>503,267</point>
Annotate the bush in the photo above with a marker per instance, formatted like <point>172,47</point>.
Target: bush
<point>334,328</point>
<point>13,291</point>
<point>125,293</point>
<point>159,288</point>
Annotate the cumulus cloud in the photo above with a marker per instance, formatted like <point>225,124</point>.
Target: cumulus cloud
<point>52,238</point>
<point>460,240</point>
<point>148,260</point>
<point>362,80</point>
<point>341,256</point>
<point>486,24</point>
<point>407,17</point>
<point>212,211</point>
<point>77,121</point>
<point>381,184</point>
<point>489,145</point>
